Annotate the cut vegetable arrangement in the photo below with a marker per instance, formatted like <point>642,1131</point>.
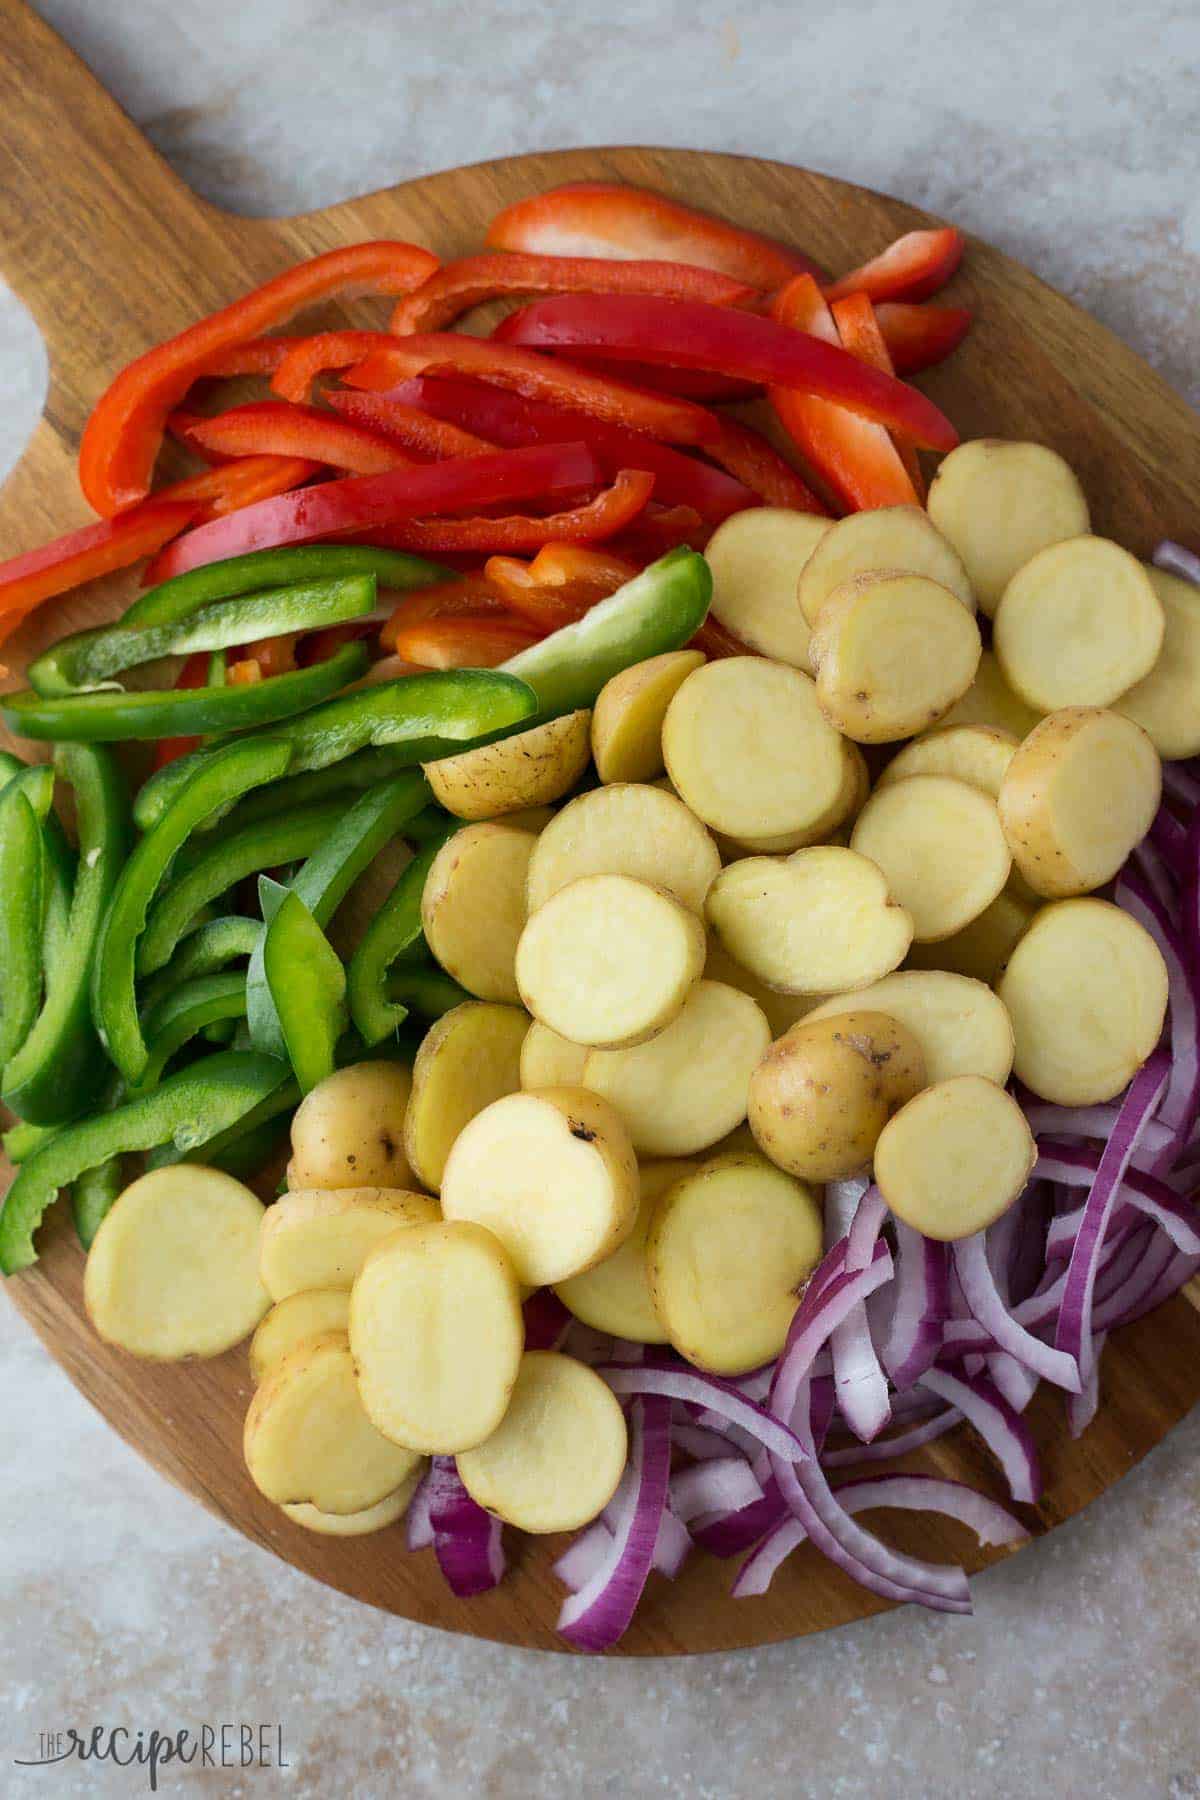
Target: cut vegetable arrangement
<point>696,999</point>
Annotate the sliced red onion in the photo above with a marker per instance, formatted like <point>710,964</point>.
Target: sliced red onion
<point>1182,1097</point>
<point>1090,1122</point>
<point>987,1304</point>
<point>1181,785</point>
<point>900,1444</point>
<point>584,1556</point>
<point>547,1320</point>
<point>1177,1272</point>
<point>1177,560</point>
<point>1017,1381</point>
<point>855,1211</point>
<point>675,1381</point>
<point>1139,1193</point>
<point>991,1522</point>
<point>758,1571</point>
<point>672,1546</point>
<point>598,1615</point>
<point>713,1487</point>
<point>1136,1275</point>
<point>700,1442</point>
<point>587,1345</point>
<point>1170,838</point>
<point>466,1539</point>
<point>815,1320</point>
<point>729,1533</point>
<point>417,1523</point>
<point>868,1222</point>
<point>1081,1407</point>
<point>922,1303</point>
<point>1000,1426</point>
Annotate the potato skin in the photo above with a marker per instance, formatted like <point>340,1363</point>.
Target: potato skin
<point>825,1090</point>
<point>628,716</point>
<point>349,1130</point>
<point>529,769</point>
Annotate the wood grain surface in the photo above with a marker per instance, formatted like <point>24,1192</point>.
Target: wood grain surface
<point>111,253</point>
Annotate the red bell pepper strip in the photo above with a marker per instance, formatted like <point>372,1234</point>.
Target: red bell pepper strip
<point>715,641</point>
<point>659,529</point>
<point>912,268</point>
<point>917,337</point>
<point>463,643</point>
<point>606,218</point>
<point>246,672</point>
<point>282,428</point>
<point>539,378</point>
<point>612,509</point>
<point>55,568</point>
<point>747,455</point>
<point>563,582</point>
<point>471,594</point>
<point>121,439</point>
<point>859,331</point>
<point>433,439</point>
<point>328,350</point>
<point>179,424</point>
<point>366,503</point>
<point>690,384</point>
<point>258,356</point>
<point>687,334</point>
<point>240,482</point>
<point>194,674</point>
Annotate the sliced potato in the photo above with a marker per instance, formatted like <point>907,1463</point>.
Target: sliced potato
<point>552,1174</point>
<point>555,1461</point>
<point>687,1087</point>
<point>473,907</point>
<point>781,1010</point>
<point>852,796</point>
<point>625,829</point>
<point>628,717</point>
<point>548,1060</point>
<point>468,1058</point>
<point>608,960</point>
<point>981,948</point>
<point>990,701</point>
<point>529,769</point>
<point>887,537</point>
<point>292,1321</point>
<point>437,1335</point>
<point>941,848</point>
<point>1081,791</point>
<point>892,653</point>
<point>1086,988</point>
<point>1166,703</point>
<point>730,1245</point>
<point>818,922</point>
<point>955,1158</point>
<point>1078,625</point>
<point>173,1270</point>
<point>999,503</point>
<point>976,754</point>
<point>348,1131</point>
<point>308,1439</point>
<point>615,1295</point>
<point>961,1026</point>
<point>320,1237</point>
<point>756,558</point>
<point>372,1518</point>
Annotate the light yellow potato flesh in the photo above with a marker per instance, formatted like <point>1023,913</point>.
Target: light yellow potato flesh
<point>372,1518</point>
<point>555,1461</point>
<point>892,653</point>
<point>625,829</point>
<point>552,1174</point>
<point>1086,989</point>
<point>615,1295</point>
<point>530,769</point>
<point>960,1024</point>
<point>976,754</point>
<point>941,849</point>
<point>348,1131</point>
<point>1166,703</point>
<point>781,1010</point>
<point>751,752</point>
<point>468,1058</point>
<point>687,1088</point>
<point>756,558</point>
<point>999,502</point>
<point>955,1158</point>
<point>729,1247</point>
<point>817,922</point>
<point>473,907</point>
<point>1081,791</point>
<point>887,537</point>
<point>981,948</point>
<point>1078,625</point>
<point>990,701</point>
<point>627,720</point>
<point>292,1321</point>
<point>173,1270</point>
<point>609,961</point>
<point>548,1060</point>
<point>437,1334</point>
<point>320,1237</point>
<point>851,797</point>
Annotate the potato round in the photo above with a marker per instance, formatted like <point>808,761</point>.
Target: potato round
<point>529,769</point>
<point>886,537</point>
<point>729,1247</point>
<point>548,1060</point>
<point>615,1295</point>
<point>552,1174</point>
<point>1086,989</point>
<point>981,948</point>
<point>1078,625</point>
<point>817,922</point>
<point>609,961</point>
<point>781,1010</point>
<point>173,1270</point>
<point>955,1158</point>
<point>852,795</point>
<point>962,1028</point>
<point>473,907</point>
<point>999,503</point>
<point>468,1058</point>
<point>1081,791</point>
<point>687,1087</point>
<point>756,558</point>
<point>555,1461</point>
<point>385,1512</point>
<point>941,848</point>
<point>320,1237</point>
<point>292,1321</point>
<point>628,718</point>
<point>976,754</point>
<point>1166,703</point>
<point>625,829</point>
<point>892,652</point>
<point>990,701</point>
<point>437,1334</point>
<point>823,1093</point>
<point>348,1131</point>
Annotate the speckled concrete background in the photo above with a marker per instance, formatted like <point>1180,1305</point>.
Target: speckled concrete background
<point>1071,137</point>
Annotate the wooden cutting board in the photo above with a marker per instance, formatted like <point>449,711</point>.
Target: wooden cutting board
<point>112,253</point>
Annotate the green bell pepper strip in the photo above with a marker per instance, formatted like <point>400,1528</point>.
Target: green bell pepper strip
<point>211,947</point>
<point>307,985</point>
<point>430,715</point>
<point>20,919</point>
<point>247,1153</point>
<point>430,992</point>
<point>22,1139</point>
<point>216,669</point>
<point>93,1194</point>
<point>282,1098</point>
<point>184,1013</point>
<point>366,769</point>
<point>90,659</point>
<point>58,1070</point>
<point>35,781</point>
<point>114,1003</point>
<point>111,718</point>
<point>58,884</point>
<point>187,1109</point>
<point>395,928</point>
<point>186,594</point>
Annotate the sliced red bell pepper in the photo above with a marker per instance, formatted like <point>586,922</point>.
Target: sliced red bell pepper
<point>859,331</point>
<point>275,655</point>
<point>463,643</point>
<point>283,428</point>
<point>563,582</point>
<point>611,511</point>
<point>121,439</point>
<point>258,356</point>
<point>56,568</point>
<point>715,641</point>
<point>747,455</point>
<point>917,337</point>
<point>239,482</point>
<point>687,334</point>
<point>366,503</point>
<point>606,218</point>
<point>246,672</point>
<point>430,438</point>
<point>328,350</point>
<point>194,674</point>
<point>912,268</point>
<point>658,529</point>
<point>472,594</point>
<point>689,384</point>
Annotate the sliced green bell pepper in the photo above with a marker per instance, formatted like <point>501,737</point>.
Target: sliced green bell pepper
<point>20,919</point>
<point>395,928</point>
<point>354,775</point>
<point>430,992</point>
<point>182,1014</point>
<point>186,594</point>
<point>93,1194</point>
<point>307,985</point>
<point>212,946</point>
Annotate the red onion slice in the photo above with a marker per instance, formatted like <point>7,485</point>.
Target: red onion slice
<point>466,1539</point>
<point>598,1615</point>
<point>1182,1098</point>
<point>547,1320</point>
<point>987,1304</point>
<point>1139,1193</point>
<point>1177,560</point>
<point>922,1304</point>
<point>677,1382</point>
<point>713,1487</point>
<point>418,1525</point>
<point>852,1455</point>
<point>1000,1426</point>
<point>815,1319</point>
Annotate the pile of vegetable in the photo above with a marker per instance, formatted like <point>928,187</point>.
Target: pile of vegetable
<point>717,954</point>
